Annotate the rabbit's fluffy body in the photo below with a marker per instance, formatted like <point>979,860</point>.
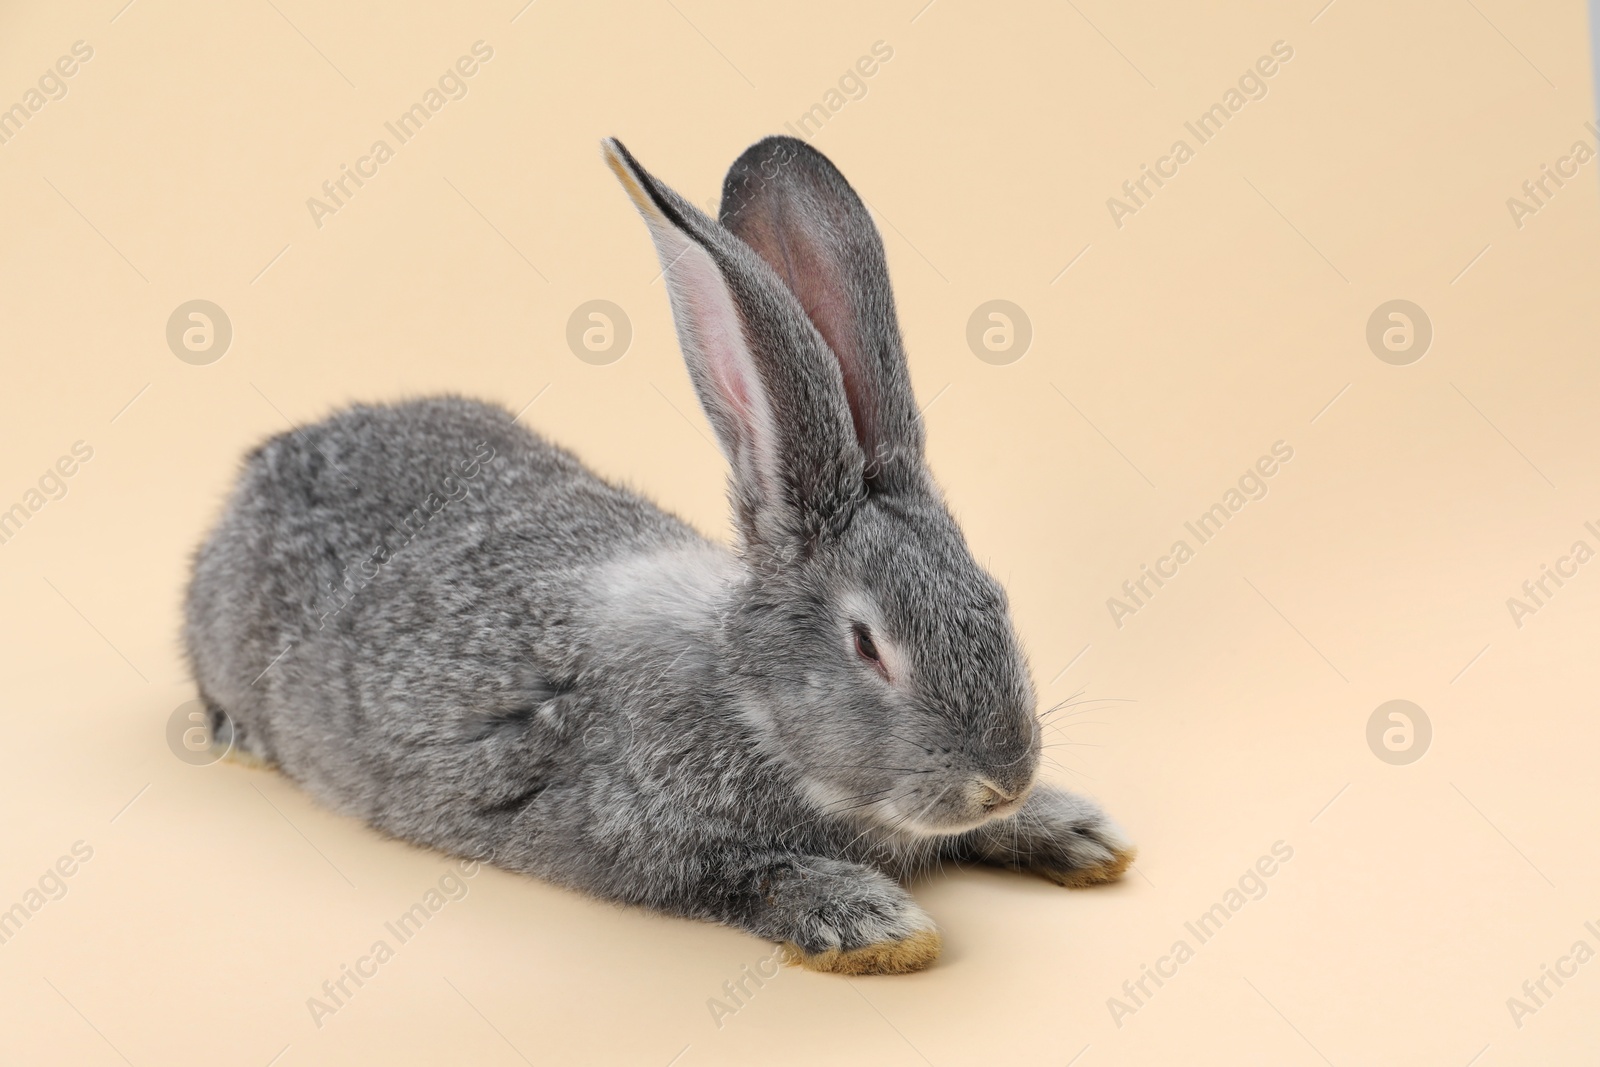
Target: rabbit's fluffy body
<point>441,623</point>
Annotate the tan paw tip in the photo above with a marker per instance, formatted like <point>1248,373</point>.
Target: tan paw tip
<point>1121,860</point>
<point>884,957</point>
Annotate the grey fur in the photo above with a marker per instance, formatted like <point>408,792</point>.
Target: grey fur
<point>443,624</point>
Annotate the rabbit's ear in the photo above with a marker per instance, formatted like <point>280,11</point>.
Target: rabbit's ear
<point>785,200</point>
<point>764,375</point>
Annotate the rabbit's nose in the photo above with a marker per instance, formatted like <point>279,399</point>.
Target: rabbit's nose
<point>992,798</point>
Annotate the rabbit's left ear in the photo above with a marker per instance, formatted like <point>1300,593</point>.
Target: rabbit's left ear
<point>791,205</point>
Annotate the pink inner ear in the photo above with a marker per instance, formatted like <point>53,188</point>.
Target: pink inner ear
<point>739,394</point>
<point>798,254</point>
<point>720,333</point>
<point>834,319</point>
<point>714,337</point>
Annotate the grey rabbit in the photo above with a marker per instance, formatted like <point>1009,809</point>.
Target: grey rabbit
<point>438,621</point>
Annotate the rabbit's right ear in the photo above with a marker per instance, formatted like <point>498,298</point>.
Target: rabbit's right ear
<point>765,377</point>
<point>791,205</point>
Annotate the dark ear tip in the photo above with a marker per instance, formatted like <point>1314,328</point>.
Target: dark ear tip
<point>778,150</point>
<point>775,141</point>
<point>777,162</point>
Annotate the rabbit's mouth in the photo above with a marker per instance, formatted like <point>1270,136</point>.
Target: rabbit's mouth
<point>995,802</point>
<point>959,807</point>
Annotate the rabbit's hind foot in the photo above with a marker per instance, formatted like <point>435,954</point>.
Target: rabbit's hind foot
<point>230,741</point>
<point>239,757</point>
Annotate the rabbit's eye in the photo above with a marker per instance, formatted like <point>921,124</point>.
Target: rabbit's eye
<point>866,648</point>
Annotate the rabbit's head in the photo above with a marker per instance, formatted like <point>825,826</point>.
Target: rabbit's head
<point>874,654</point>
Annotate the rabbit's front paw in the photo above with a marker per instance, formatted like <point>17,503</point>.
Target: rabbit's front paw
<point>849,919</point>
<point>1062,836</point>
<point>894,956</point>
<point>1090,859</point>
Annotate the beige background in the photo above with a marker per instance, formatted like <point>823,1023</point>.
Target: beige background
<point>1228,714</point>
